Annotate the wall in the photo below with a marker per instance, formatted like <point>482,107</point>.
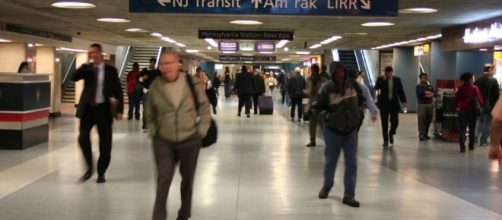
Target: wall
<point>45,64</point>
<point>11,55</point>
<point>406,67</point>
<point>443,64</point>
<point>472,62</point>
<point>81,58</point>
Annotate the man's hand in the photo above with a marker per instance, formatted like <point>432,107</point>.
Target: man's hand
<point>118,116</point>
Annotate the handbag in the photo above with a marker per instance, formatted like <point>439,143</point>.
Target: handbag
<point>212,133</point>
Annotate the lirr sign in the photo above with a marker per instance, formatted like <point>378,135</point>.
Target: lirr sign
<point>269,7</point>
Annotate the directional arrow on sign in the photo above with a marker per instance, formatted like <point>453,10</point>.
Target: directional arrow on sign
<point>163,2</point>
<point>256,3</point>
<point>366,4</point>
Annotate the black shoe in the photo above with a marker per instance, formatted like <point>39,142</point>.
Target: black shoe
<point>214,111</point>
<point>323,194</point>
<point>137,118</point>
<point>101,179</point>
<point>427,137</point>
<point>391,139</point>
<point>87,175</point>
<point>311,144</point>
<point>385,144</point>
<point>462,149</point>
<point>422,138</point>
<point>238,114</point>
<point>255,113</point>
<point>129,118</point>
<point>472,147</point>
<point>247,115</point>
<point>350,202</point>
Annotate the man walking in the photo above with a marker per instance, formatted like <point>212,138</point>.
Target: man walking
<point>177,127</point>
<point>100,102</point>
<point>259,84</point>
<point>391,93</point>
<point>244,84</point>
<point>489,88</point>
<point>314,82</point>
<point>295,88</point>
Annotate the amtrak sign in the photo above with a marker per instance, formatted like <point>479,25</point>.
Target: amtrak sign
<point>269,7</point>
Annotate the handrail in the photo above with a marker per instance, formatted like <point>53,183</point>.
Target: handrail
<point>68,70</point>
<point>126,59</point>
<point>158,56</point>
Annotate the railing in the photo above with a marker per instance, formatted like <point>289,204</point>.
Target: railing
<point>68,68</point>
<point>126,60</point>
<point>362,64</point>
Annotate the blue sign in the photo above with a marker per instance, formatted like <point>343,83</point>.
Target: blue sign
<point>228,46</point>
<point>265,46</point>
<point>269,7</point>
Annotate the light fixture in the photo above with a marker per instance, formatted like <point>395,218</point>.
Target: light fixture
<point>285,59</point>
<point>168,39</point>
<point>431,37</point>
<point>180,45</point>
<point>57,60</point>
<point>38,45</point>
<point>315,46</point>
<point>30,45</point>
<point>377,24</point>
<point>211,42</point>
<point>358,33</point>
<point>229,52</point>
<point>286,49</point>
<point>483,49</point>
<point>281,44</point>
<point>420,10</point>
<point>4,40</point>
<point>303,52</point>
<point>209,47</point>
<point>113,20</point>
<point>266,52</point>
<point>73,4</point>
<point>331,39</point>
<point>136,30</point>
<point>246,22</point>
<point>71,50</point>
<point>155,34</point>
<point>192,51</point>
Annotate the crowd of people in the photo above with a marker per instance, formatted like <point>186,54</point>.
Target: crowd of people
<point>336,103</point>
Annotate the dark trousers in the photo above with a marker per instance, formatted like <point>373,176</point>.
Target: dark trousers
<point>245,100</point>
<point>145,96</point>
<point>394,122</point>
<point>466,119</point>
<point>425,112</point>
<point>134,100</point>
<point>98,115</point>
<point>313,122</point>
<point>296,102</point>
<point>255,102</point>
<point>336,142</point>
<point>167,155</point>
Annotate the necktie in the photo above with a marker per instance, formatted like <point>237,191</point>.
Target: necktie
<point>94,87</point>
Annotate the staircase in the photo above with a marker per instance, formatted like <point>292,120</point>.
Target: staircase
<point>140,55</point>
<point>69,93</point>
<point>348,59</point>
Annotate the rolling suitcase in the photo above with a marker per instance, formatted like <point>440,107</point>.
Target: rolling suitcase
<point>265,105</point>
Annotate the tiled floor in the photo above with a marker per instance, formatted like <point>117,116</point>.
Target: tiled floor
<point>259,170</point>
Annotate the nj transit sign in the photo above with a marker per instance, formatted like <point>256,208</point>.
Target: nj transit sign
<point>269,7</point>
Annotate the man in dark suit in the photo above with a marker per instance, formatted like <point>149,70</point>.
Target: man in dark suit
<point>101,97</point>
<point>391,92</point>
<point>244,84</point>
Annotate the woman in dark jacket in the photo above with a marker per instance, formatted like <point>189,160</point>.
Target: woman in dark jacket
<point>466,108</point>
<point>227,83</point>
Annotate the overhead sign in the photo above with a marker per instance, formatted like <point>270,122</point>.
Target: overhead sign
<point>230,46</point>
<point>246,35</point>
<point>246,58</point>
<point>246,46</point>
<point>483,34</point>
<point>38,33</point>
<point>265,46</point>
<point>270,7</point>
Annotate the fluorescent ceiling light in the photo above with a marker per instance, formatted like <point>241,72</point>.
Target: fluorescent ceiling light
<point>246,22</point>
<point>30,45</point>
<point>483,49</point>
<point>38,45</point>
<point>73,4</point>
<point>377,24</point>
<point>315,46</point>
<point>136,30</point>
<point>71,50</point>
<point>228,52</point>
<point>211,42</point>
<point>331,39</point>
<point>266,52</point>
<point>431,37</point>
<point>303,52</point>
<point>192,51</point>
<point>155,34</point>
<point>181,45</point>
<point>209,47</point>
<point>281,43</point>
<point>113,20</point>
<point>358,33</point>
<point>5,40</point>
<point>167,39</point>
<point>418,10</point>
<point>286,49</point>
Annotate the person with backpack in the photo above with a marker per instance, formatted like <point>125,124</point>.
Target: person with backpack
<point>339,103</point>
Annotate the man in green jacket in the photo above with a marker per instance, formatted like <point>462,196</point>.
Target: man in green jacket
<point>177,128</point>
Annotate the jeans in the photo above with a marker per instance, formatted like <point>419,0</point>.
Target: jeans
<point>296,102</point>
<point>335,142</point>
<point>244,100</point>
<point>483,128</point>
<point>466,119</point>
<point>134,100</point>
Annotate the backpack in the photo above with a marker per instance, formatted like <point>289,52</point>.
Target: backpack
<point>212,133</point>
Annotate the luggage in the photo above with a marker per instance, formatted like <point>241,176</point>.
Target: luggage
<point>265,105</point>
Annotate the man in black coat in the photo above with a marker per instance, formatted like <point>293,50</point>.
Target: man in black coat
<point>391,92</point>
<point>244,84</point>
<point>259,84</point>
<point>489,87</point>
<point>100,102</point>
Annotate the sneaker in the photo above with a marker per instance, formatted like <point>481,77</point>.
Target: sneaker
<point>350,201</point>
<point>323,194</point>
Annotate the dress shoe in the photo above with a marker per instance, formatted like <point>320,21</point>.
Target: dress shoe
<point>238,114</point>
<point>350,201</point>
<point>427,137</point>
<point>101,179</point>
<point>247,115</point>
<point>385,144</point>
<point>323,194</point>
<point>472,147</point>
<point>87,175</point>
<point>311,144</point>
<point>391,139</point>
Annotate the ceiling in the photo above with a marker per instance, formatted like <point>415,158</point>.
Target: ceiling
<point>184,28</point>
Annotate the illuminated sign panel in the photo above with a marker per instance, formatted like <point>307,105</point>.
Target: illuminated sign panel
<point>483,35</point>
